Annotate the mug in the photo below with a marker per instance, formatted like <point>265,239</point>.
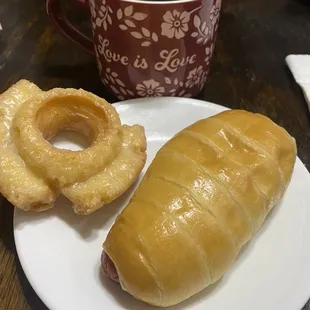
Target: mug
<point>147,48</point>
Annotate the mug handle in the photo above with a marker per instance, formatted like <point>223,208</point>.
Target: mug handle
<point>53,9</point>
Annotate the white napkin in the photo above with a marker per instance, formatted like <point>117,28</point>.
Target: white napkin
<point>300,68</point>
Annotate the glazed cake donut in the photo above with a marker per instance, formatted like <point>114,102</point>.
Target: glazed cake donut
<point>45,115</point>
<point>33,172</point>
<point>18,184</point>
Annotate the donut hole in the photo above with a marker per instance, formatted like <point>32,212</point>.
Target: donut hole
<point>70,140</point>
<point>70,122</point>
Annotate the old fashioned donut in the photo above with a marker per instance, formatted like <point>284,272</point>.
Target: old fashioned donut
<point>33,172</point>
<point>18,184</point>
<point>115,179</point>
<point>40,118</point>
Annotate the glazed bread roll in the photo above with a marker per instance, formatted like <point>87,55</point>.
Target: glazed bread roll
<point>206,193</point>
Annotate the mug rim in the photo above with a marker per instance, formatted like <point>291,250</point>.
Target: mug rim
<point>154,2</point>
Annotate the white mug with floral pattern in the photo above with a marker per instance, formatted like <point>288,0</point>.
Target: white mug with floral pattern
<point>148,48</point>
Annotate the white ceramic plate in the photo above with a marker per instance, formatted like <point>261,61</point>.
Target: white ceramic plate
<point>60,251</point>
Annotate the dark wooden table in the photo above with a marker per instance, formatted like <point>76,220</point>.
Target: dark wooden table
<point>248,71</point>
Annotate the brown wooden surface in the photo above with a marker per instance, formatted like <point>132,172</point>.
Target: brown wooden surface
<point>248,71</point>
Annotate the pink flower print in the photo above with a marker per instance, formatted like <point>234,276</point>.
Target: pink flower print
<point>215,12</point>
<point>208,52</point>
<point>150,88</point>
<point>104,18</point>
<point>195,77</point>
<point>112,80</point>
<point>175,24</point>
